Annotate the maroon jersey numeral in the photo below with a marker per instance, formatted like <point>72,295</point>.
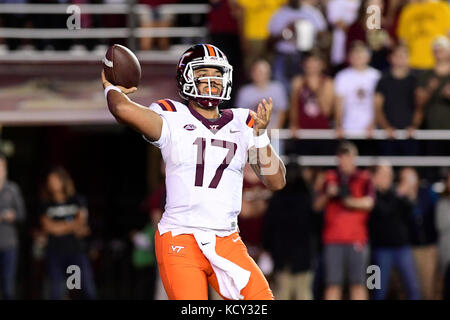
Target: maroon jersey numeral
<point>200,166</point>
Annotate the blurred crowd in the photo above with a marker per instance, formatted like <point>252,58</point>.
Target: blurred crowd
<point>332,233</point>
<point>350,233</point>
<point>327,64</point>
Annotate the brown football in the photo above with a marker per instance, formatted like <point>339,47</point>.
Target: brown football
<point>121,67</point>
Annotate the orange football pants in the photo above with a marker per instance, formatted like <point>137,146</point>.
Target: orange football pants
<point>185,271</point>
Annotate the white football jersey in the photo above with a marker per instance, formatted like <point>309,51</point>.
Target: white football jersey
<point>204,167</point>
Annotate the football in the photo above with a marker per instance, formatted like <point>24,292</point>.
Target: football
<point>121,66</point>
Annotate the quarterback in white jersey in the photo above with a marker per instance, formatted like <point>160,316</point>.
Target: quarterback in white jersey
<point>204,168</point>
<point>205,150</point>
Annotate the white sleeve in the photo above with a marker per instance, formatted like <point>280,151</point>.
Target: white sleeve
<point>248,130</point>
<point>321,23</point>
<point>274,25</point>
<point>165,132</point>
<point>250,137</point>
<point>333,12</point>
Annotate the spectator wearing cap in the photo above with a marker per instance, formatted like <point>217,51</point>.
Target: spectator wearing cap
<point>420,22</point>
<point>389,239</point>
<point>347,197</point>
<point>12,211</point>
<point>395,105</point>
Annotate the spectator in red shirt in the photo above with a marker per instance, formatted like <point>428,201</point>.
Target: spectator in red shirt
<point>347,198</point>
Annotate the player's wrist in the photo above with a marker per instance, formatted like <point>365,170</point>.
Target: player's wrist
<point>111,87</point>
<point>262,140</point>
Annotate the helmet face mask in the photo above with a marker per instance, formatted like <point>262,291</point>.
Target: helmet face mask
<point>197,57</point>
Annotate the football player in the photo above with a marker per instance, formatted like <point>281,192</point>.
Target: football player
<point>205,150</point>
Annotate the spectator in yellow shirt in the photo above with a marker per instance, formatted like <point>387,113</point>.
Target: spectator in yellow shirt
<point>255,31</point>
<point>420,23</point>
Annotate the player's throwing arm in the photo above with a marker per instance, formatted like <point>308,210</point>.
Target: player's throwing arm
<point>123,69</point>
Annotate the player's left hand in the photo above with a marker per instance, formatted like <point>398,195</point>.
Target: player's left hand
<point>262,116</point>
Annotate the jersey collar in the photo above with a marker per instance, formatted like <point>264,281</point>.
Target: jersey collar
<point>216,125</point>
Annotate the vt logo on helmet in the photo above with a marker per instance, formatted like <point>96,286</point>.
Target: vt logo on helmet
<point>204,56</point>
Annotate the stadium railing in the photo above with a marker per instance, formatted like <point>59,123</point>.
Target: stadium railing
<point>132,31</point>
<point>329,134</point>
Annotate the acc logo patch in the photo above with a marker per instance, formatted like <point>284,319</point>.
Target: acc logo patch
<point>190,127</point>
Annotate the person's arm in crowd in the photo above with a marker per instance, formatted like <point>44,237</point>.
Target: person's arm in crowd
<point>56,228</point>
<point>296,86</point>
<point>80,224</point>
<point>322,198</point>
<point>325,98</point>
<point>338,115</point>
<point>365,202</point>
<point>422,95</point>
<point>416,119</point>
<point>380,116</point>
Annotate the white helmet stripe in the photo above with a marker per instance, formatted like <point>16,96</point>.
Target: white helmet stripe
<point>206,50</point>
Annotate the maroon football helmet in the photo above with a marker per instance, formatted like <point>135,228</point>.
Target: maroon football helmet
<point>202,56</point>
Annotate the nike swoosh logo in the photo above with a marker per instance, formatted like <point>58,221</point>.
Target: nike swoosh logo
<point>234,131</point>
<point>204,244</point>
<point>235,240</point>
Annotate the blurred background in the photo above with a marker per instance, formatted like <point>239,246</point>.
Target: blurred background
<point>373,72</point>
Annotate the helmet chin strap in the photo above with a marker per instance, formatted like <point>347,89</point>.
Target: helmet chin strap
<point>207,103</point>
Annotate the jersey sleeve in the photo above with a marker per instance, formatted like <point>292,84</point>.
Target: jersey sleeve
<point>249,122</point>
<point>165,132</point>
